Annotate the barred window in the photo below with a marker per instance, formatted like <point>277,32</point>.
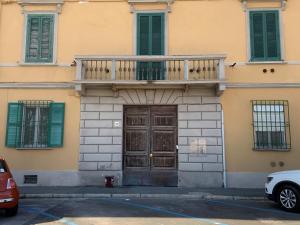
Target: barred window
<point>271,127</point>
<point>35,124</point>
<point>34,132</point>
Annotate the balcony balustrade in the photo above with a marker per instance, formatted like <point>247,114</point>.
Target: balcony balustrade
<point>154,70</point>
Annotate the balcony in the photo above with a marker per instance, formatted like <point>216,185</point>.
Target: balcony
<point>121,72</point>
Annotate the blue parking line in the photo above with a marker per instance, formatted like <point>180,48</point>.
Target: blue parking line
<point>48,215</point>
<point>249,207</point>
<point>164,211</point>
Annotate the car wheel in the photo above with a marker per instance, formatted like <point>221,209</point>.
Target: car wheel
<point>12,211</point>
<point>289,198</point>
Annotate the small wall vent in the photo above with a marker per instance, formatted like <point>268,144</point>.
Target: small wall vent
<point>30,179</point>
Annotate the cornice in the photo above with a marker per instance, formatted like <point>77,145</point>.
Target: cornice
<point>58,3</point>
<point>263,85</point>
<point>133,2</point>
<point>245,3</point>
<point>36,85</point>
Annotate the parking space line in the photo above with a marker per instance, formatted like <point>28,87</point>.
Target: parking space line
<point>48,215</point>
<point>250,207</point>
<point>165,211</point>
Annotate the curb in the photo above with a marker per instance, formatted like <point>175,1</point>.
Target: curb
<point>198,196</point>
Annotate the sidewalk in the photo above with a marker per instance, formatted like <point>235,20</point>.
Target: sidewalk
<point>142,192</point>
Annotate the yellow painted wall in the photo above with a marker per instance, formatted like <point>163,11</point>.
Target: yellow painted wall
<point>64,158</point>
<point>240,155</point>
<point>194,27</point>
<point>106,28</point>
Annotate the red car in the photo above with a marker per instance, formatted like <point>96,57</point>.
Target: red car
<point>9,193</point>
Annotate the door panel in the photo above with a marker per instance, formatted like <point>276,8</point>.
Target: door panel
<point>136,137</point>
<point>163,162</point>
<point>135,140</point>
<point>150,154</point>
<point>163,141</point>
<point>163,137</point>
<point>136,161</point>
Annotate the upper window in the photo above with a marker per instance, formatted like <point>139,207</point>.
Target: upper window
<point>39,38</point>
<point>265,35</point>
<point>271,125</point>
<point>35,124</point>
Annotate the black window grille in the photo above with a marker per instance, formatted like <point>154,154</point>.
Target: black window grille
<point>34,129</point>
<point>271,125</point>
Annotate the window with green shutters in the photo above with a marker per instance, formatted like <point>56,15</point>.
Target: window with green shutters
<point>35,124</point>
<point>265,35</point>
<point>150,41</point>
<point>39,38</point>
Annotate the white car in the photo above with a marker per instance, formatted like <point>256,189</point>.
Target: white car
<point>284,188</point>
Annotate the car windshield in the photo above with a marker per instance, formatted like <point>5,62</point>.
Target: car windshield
<point>3,168</point>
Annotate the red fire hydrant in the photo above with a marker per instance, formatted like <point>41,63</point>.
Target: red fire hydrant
<point>109,181</point>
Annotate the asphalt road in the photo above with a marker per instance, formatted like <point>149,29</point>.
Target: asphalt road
<point>148,211</point>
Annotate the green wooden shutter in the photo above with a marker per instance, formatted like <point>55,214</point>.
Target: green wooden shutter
<point>272,35</point>
<point>157,45</point>
<point>46,38</point>
<point>157,32</point>
<point>143,35</point>
<point>143,46</point>
<point>32,40</point>
<point>14,124</point>
<point>264,36</point>
<point>39,41</point>
<point>56,124</point>
<point>257,36</point>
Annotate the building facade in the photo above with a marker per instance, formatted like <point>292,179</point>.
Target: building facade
<point>161,93</point>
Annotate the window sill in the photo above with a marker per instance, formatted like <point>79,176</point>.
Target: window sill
<point>31,148</point>
<point>29,2</point>
<point>150,1</point>
<point>37,64</point>
<point>266,62</point>
<point>271,149</point>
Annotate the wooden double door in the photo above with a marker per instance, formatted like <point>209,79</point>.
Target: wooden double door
<point>150,145</point>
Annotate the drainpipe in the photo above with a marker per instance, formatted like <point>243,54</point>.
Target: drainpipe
<point>224,155</point>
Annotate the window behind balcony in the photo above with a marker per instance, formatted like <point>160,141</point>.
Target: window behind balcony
<point>150,41</point>
<point>271,127</point>
<point>265,35</point>
<point>39,38</point>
